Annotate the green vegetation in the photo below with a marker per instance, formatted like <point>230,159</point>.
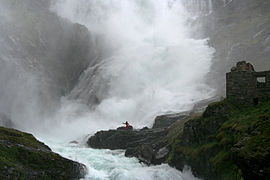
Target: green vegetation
<point>23,157</point>
<point>177,128</point>
<point>226,142</point>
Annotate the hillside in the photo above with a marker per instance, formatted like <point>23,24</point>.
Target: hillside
<point>225,142</point>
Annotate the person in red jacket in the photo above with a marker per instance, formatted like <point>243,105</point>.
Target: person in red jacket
<point>127,125</point>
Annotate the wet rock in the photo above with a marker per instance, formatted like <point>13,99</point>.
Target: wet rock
<point>165,121</point>
<point>130,128</point>
<point>162,155</point>
<point>123,139</point>
<point>24,157</point>
<point>145,128</point>
<point>145,153</point>
<point>142,144</point>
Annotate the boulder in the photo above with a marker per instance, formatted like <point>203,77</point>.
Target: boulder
<point>145,153</point>
<point>24,157</point>
<point>148,155</point>
<point>123,139</point>
<point>162,155</point>
<point>144,144</point>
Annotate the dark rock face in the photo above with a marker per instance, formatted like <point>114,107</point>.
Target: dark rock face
<point>23,157</point>
<point>196,131</point>
<point>150,146</point>
<point>252,153</point>
<point>145,144</point>
<point>227,141</point>
<point>130,128</point>
<point>144,153</point>
<point>165,121</point>
<point>123,139</point>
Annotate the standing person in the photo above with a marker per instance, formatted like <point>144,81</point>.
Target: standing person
<point>127,125</point>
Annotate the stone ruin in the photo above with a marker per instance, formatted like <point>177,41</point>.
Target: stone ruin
<point>247,86</point>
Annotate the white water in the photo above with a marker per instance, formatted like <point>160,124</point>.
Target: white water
<point>113,165</point>
<point>149,65</point>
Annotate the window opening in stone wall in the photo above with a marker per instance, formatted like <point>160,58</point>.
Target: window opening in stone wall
<point>261,79</point>
<point>261,82</point>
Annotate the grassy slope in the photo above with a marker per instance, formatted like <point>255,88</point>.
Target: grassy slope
<point>218,155</point>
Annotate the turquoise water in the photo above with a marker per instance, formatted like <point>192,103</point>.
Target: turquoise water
<point>113,165</point>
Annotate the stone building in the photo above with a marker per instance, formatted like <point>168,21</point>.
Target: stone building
<point>247,86</point>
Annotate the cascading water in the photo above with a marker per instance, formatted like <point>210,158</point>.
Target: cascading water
<point>151,65</point>
<point>147,64</point>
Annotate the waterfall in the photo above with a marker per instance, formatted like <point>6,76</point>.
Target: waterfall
<point>149,64</point>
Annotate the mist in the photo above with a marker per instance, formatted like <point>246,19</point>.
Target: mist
<point>75,67</point>
<point>150,64</point>
<point>37,67</point>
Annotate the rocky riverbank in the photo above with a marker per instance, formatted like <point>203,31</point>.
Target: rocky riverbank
<point>226,141</point>
<point>150,146</point>
<point>24,157</point>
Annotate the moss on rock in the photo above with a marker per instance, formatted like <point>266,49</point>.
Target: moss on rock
<point>24,157</point>
<point>226,142</point>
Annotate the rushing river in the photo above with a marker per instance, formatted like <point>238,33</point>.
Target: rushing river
<point>113,165</point>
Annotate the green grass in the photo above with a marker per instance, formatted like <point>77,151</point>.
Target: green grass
<point>214,155</point>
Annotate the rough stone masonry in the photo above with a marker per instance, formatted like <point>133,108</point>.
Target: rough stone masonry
<point>247,86</point>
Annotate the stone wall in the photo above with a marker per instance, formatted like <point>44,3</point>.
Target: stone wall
<point>247,86</point>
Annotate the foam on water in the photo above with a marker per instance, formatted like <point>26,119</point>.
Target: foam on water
<point>113,165</point>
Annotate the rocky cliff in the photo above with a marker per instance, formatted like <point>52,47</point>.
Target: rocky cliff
<point>226,142</point>
<point>24,157</point>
